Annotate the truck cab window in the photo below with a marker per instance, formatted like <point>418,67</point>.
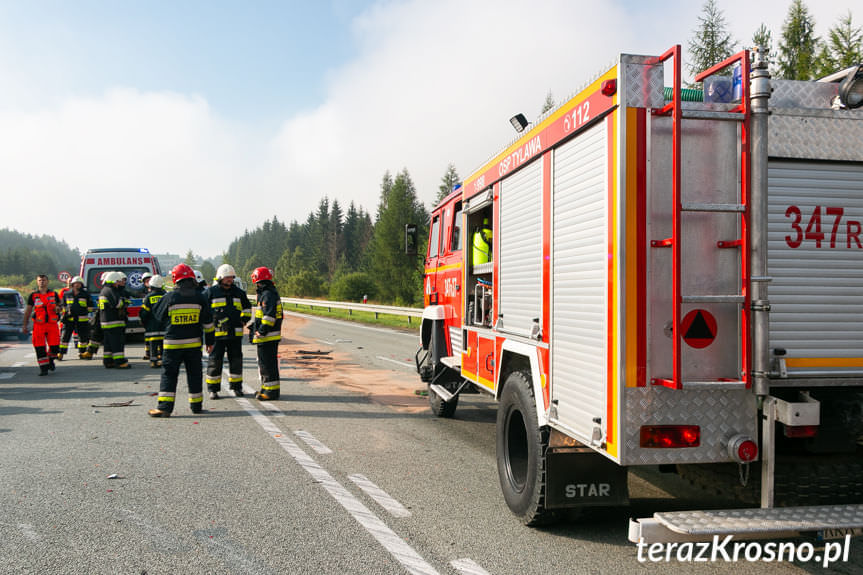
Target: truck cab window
<point>434,238</point>
<point>455,240</point>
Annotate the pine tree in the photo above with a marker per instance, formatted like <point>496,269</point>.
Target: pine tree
<point>844,46</point>
<point>190,259</point>
<point>447,183</point>
<point>797,49</point>
<point>548,104</point>
<point>712,42</point>
<point>398,275</point>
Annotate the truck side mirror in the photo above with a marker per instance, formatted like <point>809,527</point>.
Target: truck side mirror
<point>411,239</point>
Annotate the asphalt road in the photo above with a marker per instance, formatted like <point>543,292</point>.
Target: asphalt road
<point>347,473</point>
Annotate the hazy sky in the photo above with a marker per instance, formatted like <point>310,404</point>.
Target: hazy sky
<point>176,125</point>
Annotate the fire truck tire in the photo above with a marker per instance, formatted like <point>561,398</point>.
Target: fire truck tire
<point>440,407</point>
<point>521,451</point>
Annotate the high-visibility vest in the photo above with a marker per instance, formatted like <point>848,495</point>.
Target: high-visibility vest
<point>482,245</point>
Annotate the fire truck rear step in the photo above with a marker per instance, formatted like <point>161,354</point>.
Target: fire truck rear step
<point>757,523</point>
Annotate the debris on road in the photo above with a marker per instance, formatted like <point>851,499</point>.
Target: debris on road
<point>117,404</point>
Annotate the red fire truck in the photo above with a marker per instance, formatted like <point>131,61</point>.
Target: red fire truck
<point>623,317</point>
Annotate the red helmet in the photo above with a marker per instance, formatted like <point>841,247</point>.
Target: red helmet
<point>182,272</point>
<point>261,274</point>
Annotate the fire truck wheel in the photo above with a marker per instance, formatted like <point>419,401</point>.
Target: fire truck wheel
<point>440,407</point>
<point>521,446</point>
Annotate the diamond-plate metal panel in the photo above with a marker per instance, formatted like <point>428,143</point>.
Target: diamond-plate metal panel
<point>643,85</point>
<point>825,136</point>
<point>812,518</point>
<point>720,413</point>
<point>799,94</point>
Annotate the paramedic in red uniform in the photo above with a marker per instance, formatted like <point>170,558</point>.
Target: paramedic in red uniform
<point>44,305</point>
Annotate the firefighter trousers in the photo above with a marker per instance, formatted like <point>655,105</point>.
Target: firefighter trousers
<point>234,348</point>
<point>115,342</point>
<point>70,326</point>
<point>268,366</point>
<point>46,341</point>
<point>154,347</point>
<point>172,359</point>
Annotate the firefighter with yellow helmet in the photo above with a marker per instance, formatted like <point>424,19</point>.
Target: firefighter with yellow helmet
<point>154,331</point>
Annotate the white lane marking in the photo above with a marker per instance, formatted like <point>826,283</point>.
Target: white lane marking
<point>395,545</point>
<point>404,363</point>
<point>468,567</point>
<point>30,355</point>
<point>313,442</point>
<point>272,408</point>
<point>325,341</point>
<point>7,375</point>
<point>383,498</point>
<point>18,364</point>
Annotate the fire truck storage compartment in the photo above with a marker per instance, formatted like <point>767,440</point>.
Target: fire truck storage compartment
<point>579,281</point>
<point>815,257</point>
<point>519,257</point>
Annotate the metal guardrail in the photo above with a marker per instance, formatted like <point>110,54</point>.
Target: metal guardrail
<point>410,312</point>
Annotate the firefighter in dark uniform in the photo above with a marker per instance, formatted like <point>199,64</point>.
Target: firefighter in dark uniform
<point>44,305</point>
<point>267,333</point>
<point>187,317</point>
<point>112,317</point>
<point>154,331</point>
<point>77,306</point>
<point>231,311</point>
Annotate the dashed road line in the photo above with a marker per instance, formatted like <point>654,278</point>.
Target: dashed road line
<point>313,442</point>
<point>468,567</point>
<point>391,541</point>
<point>403,363</point>
<point>7,375</point>
<point>18,364</point>
<point>383,498</point>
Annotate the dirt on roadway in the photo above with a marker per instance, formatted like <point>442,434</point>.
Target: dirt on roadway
<point>314,366</point>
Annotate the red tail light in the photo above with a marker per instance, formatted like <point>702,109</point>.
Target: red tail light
<point>796,431</point>
<point>670,436</point>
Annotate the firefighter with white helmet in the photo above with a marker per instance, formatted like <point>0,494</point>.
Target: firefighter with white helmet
<point>154,331</point>
<point>96,335</point>
<point>267,333</point>
<point>231,310</point>
<point>145,281</point>
<point>77,306</point>
<point>187,316</point>
<point>112,316</point>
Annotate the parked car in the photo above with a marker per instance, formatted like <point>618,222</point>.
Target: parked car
<point>11,313</point>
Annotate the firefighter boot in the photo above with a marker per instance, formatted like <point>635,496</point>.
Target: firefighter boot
<point>159,413</point>
<point>261,396</point>
<point>43,370</point>
<point>124,364</point>
<point>60,356</point>
<point>238,391</point>
<point>51,365</point>
<point>155,363</point>
<point>86,354</point>
<point>214,395</point>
